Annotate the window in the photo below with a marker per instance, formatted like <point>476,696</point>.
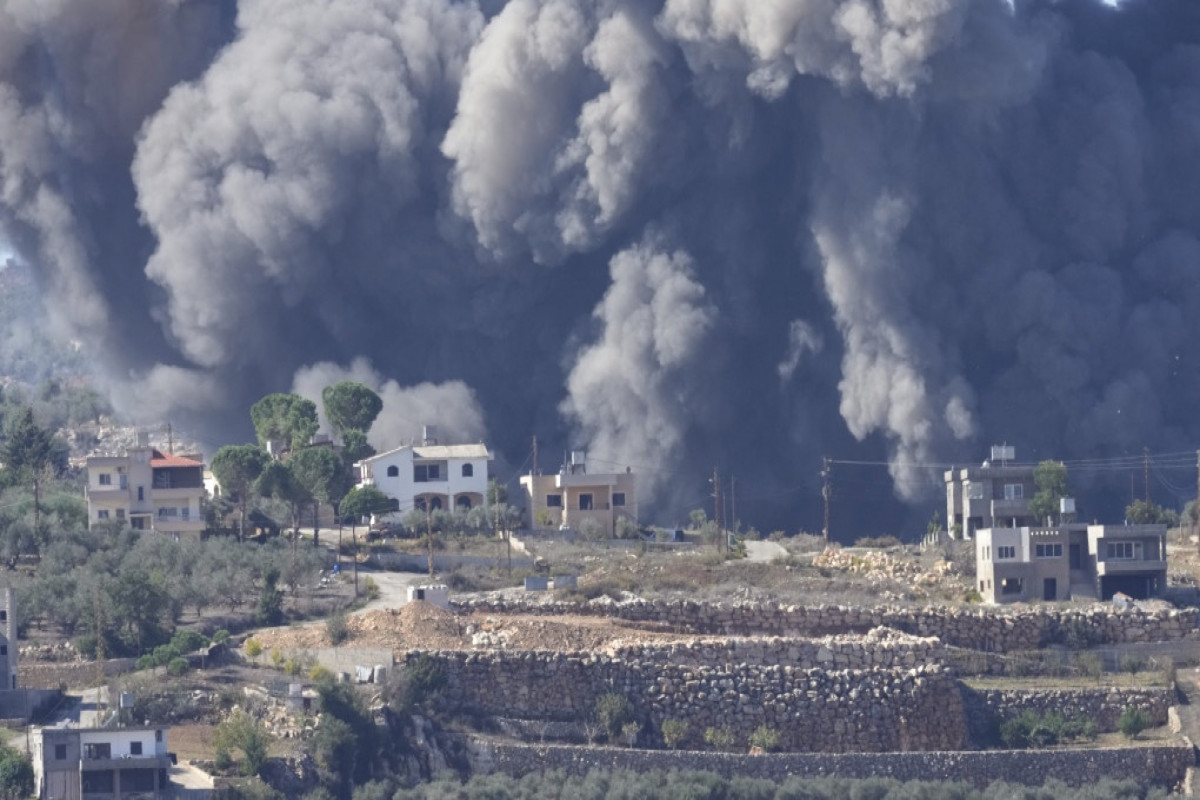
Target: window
<point>554,501</point>
<point>424,473</point>
<point>468,471</point>
<point>185,513</point>
<point>1014,491</point>
<point>3,649</point>
<point>585,502</point>
<point>618,499</point>
<point>168,512</point>
<point>135,748</point>
<point>97,750</point>
<point>102,514</point>
<point>138,523</point>
<point>1048,551</point>
<point>120,513</point>
<point>158,736</point>
<point>1010,586</point>
<point>393,471</point>
<point>1004,551</point>
<point>1119,551</point>
<point>141,494</point>
<point>974,491</point>
<point>105,479</point>
<point>60,752</point>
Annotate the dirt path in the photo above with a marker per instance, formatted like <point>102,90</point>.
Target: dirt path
<point>764,552</point>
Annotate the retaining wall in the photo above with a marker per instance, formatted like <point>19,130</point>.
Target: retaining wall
<point>814,710</point>
<point>1164,765</point>
<point>1102,704</point>
<point>987,629</point>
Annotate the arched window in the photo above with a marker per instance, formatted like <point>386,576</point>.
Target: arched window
<point>463,502</point>
<point>393,471</point>
<point>468,470</point>
<point>435,503</point>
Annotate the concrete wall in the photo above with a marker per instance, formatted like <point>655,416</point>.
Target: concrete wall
<point>1161,765</point>
<point>987,629</point>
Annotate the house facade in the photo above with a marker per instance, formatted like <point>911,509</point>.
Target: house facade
<point>146,489</point>
<point>430,476</point>
<point>1059,563</point>
<point>995,494</point>
<point>74,763</point>
<point>576,499</point>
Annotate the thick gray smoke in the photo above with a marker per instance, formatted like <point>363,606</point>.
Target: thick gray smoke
<point>681,234</point>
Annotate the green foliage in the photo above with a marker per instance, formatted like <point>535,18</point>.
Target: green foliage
<point>674,733</point>
<point>1074,632</point>
<point>765,738</point>
<point>351,406</point>
<point>370,588</point>
<point>363,501</point>
<point>220,636</point>
<point>236,468</point>
<point>284,417</point>
<point>177,667</point>
<point>347,743</point>
<point>612,712</point>
<point>1050,477</point>
<point>417,683</point>
<point>1032,730</point>
<point>253,647</point>
<point>1143,512</point>
<point>720,739</point>
<point>270,601</point>
<point>1132,721</point>
<point>241,731</point>
<point>355,447</point>
<point>878,542</point>
<point>278,481</point>
<point>629,733</point>
<point>337,628</point>
<point>16,774</point>
<point>322,474</point>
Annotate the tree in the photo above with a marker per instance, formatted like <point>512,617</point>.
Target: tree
<point>355,447</point>
<point>139,600</point>
<point>16,774</point>
<point>350,406</point>
<point>287,417</point>
<point>323,476</point>
<point>240,731</point>
<point>278,481</point>
<point>270,601</point>
<point>29,456</point>
<point>1050,477</point>
<point>1144,512</point>
<point>236,468</point>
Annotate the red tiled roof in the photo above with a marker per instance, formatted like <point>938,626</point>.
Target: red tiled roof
<point>158,459</point>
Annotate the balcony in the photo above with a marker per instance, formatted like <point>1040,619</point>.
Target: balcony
<point>1128,566</point>
<point>565,480</point>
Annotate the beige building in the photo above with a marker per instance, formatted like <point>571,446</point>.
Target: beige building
<point>146,489</point>
<point>576,499</point>
<point>1070,561</point>
<point>111,763</point>
<point>995,494</point>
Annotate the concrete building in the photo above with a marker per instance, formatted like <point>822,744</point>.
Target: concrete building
<point>1070,561</point>
<point>147,489</point>
<point>576,499</point>
<point>429,475</point>
<point>995,494</point>
<point>111,763</point>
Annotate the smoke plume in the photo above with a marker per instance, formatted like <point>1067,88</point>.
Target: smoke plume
<point>680,234</point>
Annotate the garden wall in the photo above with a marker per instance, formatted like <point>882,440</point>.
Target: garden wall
<point>1164,765</point>
<point>986,708</point>
<point>988,629</point>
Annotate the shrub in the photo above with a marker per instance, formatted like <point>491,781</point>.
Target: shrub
<point>972,596</point>
<point>1090,664</point>
<point>220,636</point>
<point>293,666</point>
<point>320,674</point>
<point>254,648</point>
<point>613,711</point>
<point>719,738</point>
<point>1131,664</point>
<point>177,667</point>
<point>674,732</point>
<point>1030,729</point>
<point>878,542</point>
<point>1133,721</point>
<point>629,732</point>
<point>277,658</point>
<point>370,588</point>
<point>337,628</point>
<point>765,738</point>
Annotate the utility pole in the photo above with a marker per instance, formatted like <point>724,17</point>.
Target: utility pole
<point>826,493</point>
<point>1196,505</point>
<point>1146,471</point>
<point>535,472</point>
<point>429,533</point>
<point>170,441</point>
<point>733,491</point>
<point>716,495</point>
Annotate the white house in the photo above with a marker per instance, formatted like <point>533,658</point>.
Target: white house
<point>100,762</point>
<point>430,475</point>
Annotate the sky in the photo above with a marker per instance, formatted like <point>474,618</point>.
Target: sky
<point>679,234</point>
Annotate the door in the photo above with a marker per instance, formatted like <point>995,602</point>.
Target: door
<point>1076,557</point>
<point>1050,589</point>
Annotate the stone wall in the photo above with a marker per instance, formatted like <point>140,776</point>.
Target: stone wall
<point>882,648</point>
<point>989,629</point>
<point>986,708</point>
<point>1164,765</point>
<point>814,710</point>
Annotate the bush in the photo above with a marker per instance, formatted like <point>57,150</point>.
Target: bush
<point>1133,721</point>
<point>254,648</point>
<point>1030,729</point>
<point>1131,664</point>
<point>719,738</point>
<point>629,732</point>
<point>765,738</point>
<point>674,732</point>
<point>337,628</point>
<point>220,636</point>
<point>177,666</point>
<point>613,711</point>
<point>878,542</point>
<point>370,588</point>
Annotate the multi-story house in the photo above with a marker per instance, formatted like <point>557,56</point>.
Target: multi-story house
<point>429,475</point>
<point>146,489</point>
<point>576,499</point>
<point>70,763</point>
<point>1059,563</point>
<point>993,495</point>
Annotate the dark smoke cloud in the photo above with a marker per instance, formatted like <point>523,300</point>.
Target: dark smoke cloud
<point>684,233</point>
